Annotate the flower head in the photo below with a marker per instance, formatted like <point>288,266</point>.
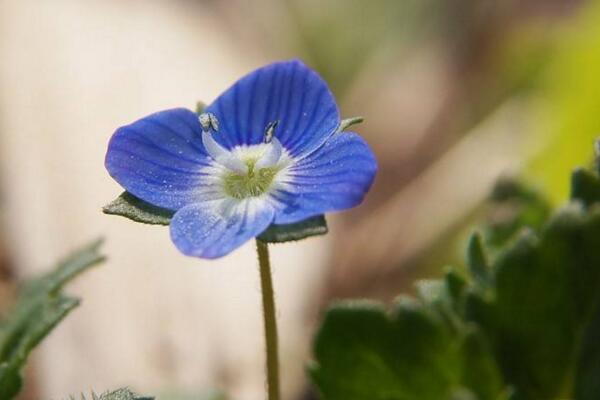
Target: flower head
<point>264,152</point>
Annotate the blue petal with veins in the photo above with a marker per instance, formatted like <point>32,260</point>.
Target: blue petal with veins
<point>228,186</point>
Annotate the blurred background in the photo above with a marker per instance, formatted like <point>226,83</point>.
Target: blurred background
<point>456,94</point>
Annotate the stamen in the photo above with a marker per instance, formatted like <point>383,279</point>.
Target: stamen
<point>270,131</point>
<point>209,121</point>
<point>249,173</point>
<point>271,155</point>
<point>254,184</point>
<point>221,155</point>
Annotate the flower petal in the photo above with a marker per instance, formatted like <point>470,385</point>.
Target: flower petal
<point>334,177</point>
<point>288,92</point>
<point>213,229</point>
<point>160,158</point>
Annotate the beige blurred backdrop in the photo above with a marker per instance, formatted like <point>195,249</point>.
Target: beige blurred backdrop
<point>72,72</point>
<point>454,94</point>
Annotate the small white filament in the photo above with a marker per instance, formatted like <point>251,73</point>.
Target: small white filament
<point>271,155</point>
<point>222,155</point>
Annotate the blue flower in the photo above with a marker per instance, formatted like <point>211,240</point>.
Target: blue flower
<point>266,151</point>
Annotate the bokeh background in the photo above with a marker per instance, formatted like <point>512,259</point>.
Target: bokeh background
<point>456,94</point>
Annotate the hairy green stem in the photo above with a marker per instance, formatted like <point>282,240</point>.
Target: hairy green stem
<point>268,300</point>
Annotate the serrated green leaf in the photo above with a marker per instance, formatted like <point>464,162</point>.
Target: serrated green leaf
<point>364,353</point>
<point>526,326</point>
<point>129,206</point>
<point>314,226</point>
<point>39,308</point>
<point>546,287</point>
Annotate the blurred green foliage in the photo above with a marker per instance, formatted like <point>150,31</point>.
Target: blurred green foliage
<point>566,119</point>
<point>378,28</point>
<point>41,305</point>
<point>416,351</point>
<point>524,323</point>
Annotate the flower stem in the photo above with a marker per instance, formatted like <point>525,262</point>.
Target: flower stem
<point>269,320</point>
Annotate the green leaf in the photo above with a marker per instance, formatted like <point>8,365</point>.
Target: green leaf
<point>481,372</point>
<point>129,206</point>
<point>362,352</point>
<point>135,209</point>
<point>39,308</point>
<point>546,288</point>
<point>313,226</point>
<point>525,326</point>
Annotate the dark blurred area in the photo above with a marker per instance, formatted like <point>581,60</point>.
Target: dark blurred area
<point>455,93</point>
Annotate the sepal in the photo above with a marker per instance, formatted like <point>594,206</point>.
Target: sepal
<point>135,209</point>
<point>129,206</point>
<point>314,226</point>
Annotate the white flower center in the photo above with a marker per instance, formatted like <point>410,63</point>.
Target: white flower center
<point>249,170</point>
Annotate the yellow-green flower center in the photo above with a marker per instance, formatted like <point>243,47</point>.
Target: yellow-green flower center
<point>252,184</point>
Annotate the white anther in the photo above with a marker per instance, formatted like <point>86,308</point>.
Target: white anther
<point>209,121</point>
<point>270,131</point>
